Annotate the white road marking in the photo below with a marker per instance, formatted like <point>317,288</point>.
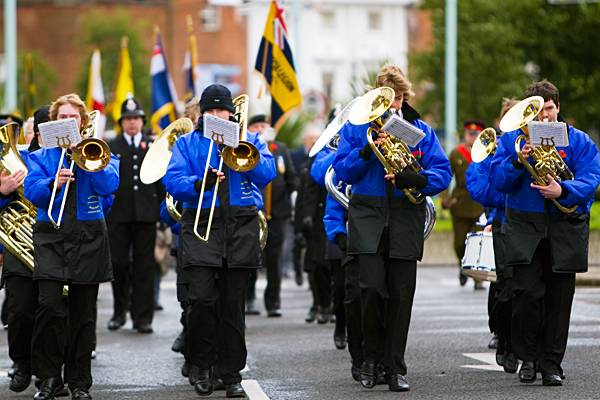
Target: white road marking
<point>253,390</point>
<point>488,358</point>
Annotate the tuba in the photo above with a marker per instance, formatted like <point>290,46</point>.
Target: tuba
<point>91,155</point>
<point>342,195</point>
<point>393,153</point>
<point>546,160</point>
<point>17,219</point>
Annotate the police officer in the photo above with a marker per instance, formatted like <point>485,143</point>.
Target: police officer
<point>545,247</point>
<point>385,232</point>
<point>76,254</point>
<point>465,212</point>
<point>277,210</point>
<point>218,269</point>
<point>132,224</point>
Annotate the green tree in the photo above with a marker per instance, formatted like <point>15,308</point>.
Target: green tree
<point>104,29</point>
<point>44,78</point>
<point>503,46</point>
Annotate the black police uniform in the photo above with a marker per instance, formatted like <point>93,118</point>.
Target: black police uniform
<point>132,228</point>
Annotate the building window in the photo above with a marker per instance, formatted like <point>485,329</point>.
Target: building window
<point>210,19</point>
<point>374,18</point>
<point>328,19</point>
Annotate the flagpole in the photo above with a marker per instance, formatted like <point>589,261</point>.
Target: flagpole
<point>10,51</point>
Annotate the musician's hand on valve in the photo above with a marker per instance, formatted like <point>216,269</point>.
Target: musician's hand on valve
<point>552,191</point>
<point>10,183</point>
<point>526,150</point>
<point>64,175</point>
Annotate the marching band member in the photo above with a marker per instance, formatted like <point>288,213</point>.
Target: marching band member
<point>547,246</point>
<point>218,269</point>
<point>76,254</point>
<point>21,291</point>
<point>378,216</point>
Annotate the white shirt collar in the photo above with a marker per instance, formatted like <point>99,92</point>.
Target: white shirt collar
<point>137,138</point>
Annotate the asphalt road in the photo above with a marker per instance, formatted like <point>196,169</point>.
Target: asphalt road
<point>447,352</point>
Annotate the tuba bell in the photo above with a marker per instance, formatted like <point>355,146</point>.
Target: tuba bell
<point>546,160</point>
<point>395,155</point>
<point>16,219</point>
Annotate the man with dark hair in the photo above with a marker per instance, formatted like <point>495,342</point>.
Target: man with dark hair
<point>545,246</point>
<point>132,225</point>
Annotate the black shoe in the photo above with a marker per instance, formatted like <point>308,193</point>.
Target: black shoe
<point>339,341</point>
<point>79,393</point>
<point>64,392</point>
<point>367,374</point>
<point>251,308</point>
<point>235,390</point>
<point>478,285</point>
<point>20,381</point>
<point>275,313</point>
<point>493,344</point>
<point>93,355</point>
<point>48,388</point>
<point>299,278</point>
<point>311,316</point>
<point>185,369</point>
<point>398,383</point>
<point>158,307</point>
<point>323,316</point>
<point>116,322</point>
<point>511,363</point>
<point>201,380</point>
<point>218,384</point>
<point>462,278</point>
<point>551,380</point>
<point>500,359</point>
<point>179,343</point>
<point>527,372</point>
<point>143,327</point>
<point>355,371</point>
<point>381,375</point>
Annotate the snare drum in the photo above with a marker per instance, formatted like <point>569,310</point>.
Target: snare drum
<point>478,262</point>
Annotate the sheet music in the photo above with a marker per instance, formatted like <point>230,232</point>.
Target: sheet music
<point>59,133</point>
<point>548,133</point>
<point>403,130</point>
<point>221,131</point>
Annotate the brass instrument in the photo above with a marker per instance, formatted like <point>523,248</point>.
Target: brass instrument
<point>91,155</point>
<point>393,153</point>
<point>334,187</point>
<point>546,160</point>
<point>242,158</point>
<point>19,216</point>
<point>330,136</point>
<point>263,230</point>
<point>484,146</point>
<point>245,156</point>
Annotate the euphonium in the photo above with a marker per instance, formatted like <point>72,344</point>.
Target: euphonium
<point>16,219</point>
<point>91,155</point>
<point>342,192</point>
<point>485,145</point>
<point>546,160</point>
<point>393,153</point>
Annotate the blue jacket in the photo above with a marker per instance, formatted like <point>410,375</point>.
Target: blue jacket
<point>366,177</point>
<point>187,166</point>
<point>91,187</point>
<point>334,219</point>
<point>323,161</point>
<point>582,158</point>
<point>483,191</point>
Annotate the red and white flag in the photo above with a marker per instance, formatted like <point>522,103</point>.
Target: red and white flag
<point>95,94</point>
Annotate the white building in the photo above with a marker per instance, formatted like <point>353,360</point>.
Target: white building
<point>334,43</point>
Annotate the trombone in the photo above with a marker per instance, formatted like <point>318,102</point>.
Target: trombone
<point>91,155</point>
<point>240,159</point>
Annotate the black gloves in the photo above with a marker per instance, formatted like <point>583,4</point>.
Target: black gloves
<point>341,240</point>
<point>365,152</point>
<point>410,179</point>
<point>211,180</point>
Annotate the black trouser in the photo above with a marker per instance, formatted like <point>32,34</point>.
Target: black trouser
<point>272,253</point>
<point>353,312</point>
<point>321,271</point>
<point>215,320</point>
<point>491,308</point>
<point>141,237</point>
<point>337,288</point>
<point>541,310</point>
<point>385,321</point>
<point>21,303</point>
<point>64,325</point>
